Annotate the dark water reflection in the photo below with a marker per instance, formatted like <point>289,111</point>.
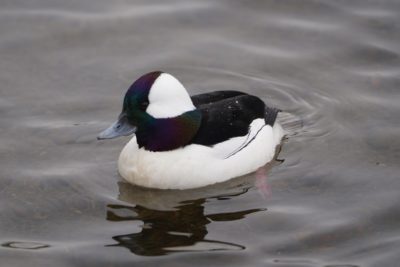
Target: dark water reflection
<point>179,226</point>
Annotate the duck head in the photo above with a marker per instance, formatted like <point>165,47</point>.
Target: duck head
<point>156,106</point>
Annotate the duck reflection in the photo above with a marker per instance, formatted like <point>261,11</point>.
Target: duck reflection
<point>174,220</point>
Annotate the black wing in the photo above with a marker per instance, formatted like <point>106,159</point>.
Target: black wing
<point>208,98</point>
<point>228,114</point>
<point>230,118</point>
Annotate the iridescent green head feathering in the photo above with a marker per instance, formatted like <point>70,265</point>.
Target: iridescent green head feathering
<point>137,96</point>
<point>159,110</point>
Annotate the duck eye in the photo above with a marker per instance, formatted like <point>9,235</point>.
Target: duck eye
<point>143,105</point>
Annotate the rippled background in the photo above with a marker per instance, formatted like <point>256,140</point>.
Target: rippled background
<point>332,66</point>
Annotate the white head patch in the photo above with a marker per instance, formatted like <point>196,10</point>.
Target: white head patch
<point>168,98</point>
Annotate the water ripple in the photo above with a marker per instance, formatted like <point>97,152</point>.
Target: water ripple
<point>115,13</point>
<point>25,245</point>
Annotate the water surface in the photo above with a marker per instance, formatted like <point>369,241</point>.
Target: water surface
<point>333,192</point>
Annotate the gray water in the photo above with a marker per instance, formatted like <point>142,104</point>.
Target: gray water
<point>332,66</point>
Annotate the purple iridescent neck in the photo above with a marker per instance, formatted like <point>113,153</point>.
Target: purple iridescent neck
<point>169,133</point>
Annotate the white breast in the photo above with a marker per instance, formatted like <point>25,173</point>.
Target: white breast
<point>196,165</point>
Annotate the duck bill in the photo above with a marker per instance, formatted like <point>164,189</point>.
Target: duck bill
<point>121,127</point>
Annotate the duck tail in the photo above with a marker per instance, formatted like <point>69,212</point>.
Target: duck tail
<point>270,115</point>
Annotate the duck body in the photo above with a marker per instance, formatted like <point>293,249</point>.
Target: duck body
<point>184,142</point>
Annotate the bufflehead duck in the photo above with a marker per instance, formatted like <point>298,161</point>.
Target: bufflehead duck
<point>184,141</point>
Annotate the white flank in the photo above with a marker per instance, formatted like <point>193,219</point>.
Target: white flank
<point>196,165</point>
<point>168,98</point>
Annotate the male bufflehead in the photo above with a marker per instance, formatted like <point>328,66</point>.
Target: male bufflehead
<point>184,141</point>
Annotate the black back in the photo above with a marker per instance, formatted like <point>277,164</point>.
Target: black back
<point>213,97</point>
<point>228,114</point>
